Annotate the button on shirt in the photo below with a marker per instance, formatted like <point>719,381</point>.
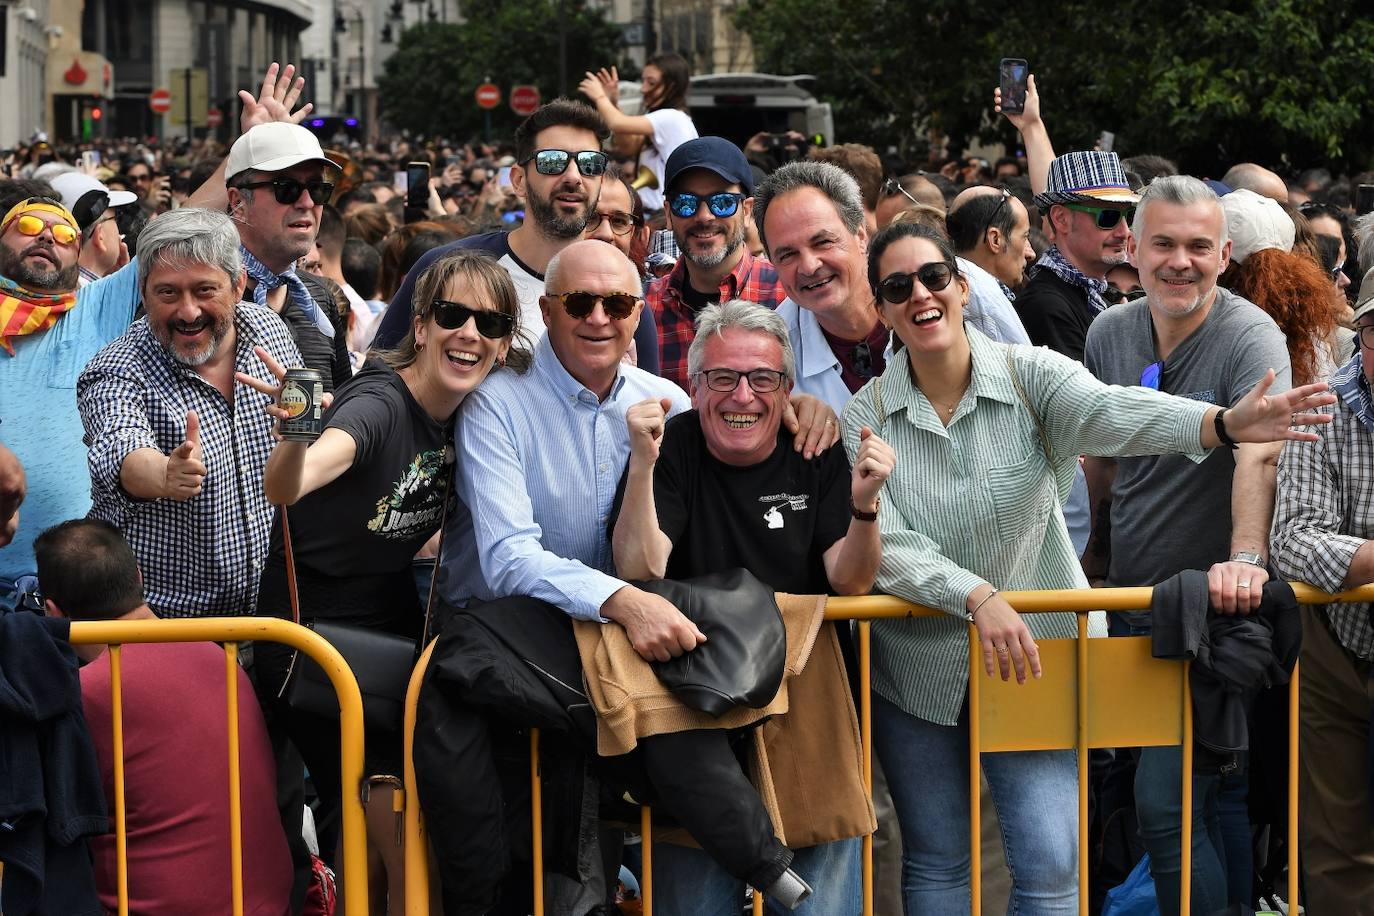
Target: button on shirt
<point>979,502</point>
<point>753,280</point>
<point>203,556</point>
<point>539,460</point>
<point>1324,509</point>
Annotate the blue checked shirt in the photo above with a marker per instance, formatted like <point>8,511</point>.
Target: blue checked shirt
<point>201,557</point>
<point>539,460</point>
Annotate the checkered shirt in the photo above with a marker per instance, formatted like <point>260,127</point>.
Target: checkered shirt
<point>1323,511</point>
<point>201,557</point>
<point>754,279</point>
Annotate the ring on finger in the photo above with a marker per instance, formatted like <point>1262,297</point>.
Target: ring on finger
<point>1002,650</point>
<point>1244,583</point>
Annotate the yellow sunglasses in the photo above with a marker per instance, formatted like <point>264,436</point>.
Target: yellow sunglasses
<point>23,218</point>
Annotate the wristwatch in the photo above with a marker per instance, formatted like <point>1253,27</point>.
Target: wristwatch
<point>1254,559</point>
<point>865,516</point>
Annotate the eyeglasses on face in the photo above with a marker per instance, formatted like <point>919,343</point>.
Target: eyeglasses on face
<point>591,163</point>
<point>287,190</point>
<point>620,223</point>
<point>685,204</point>
<point>1103,217</point>
<point>1366,332</point>
<point>896,288</point>
<point>579,304</point>
<point>491,324</point>
<point>1116,296</point>
<point>762,381</point>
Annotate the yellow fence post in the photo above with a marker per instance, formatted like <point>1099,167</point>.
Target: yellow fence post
<point>866,734</point>
<point>537,825</point>
<point>1082,696</point>
<point>231,692</point>
<point>975,769</point>
<point>117,740</point>
<point>646,852</point>
<point>416,844</point>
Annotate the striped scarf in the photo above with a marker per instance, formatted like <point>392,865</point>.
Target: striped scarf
<point>24,312</point>
<point>1054,261</point>
<point>1350,385</point>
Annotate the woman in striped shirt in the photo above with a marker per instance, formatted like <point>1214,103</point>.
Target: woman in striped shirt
<point>987,438</point>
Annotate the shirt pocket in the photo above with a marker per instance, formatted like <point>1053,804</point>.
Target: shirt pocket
<point>1021,492</point>
<point>61,365</point>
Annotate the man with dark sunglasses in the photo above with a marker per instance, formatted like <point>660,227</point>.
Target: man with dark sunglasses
<point>1087,202</point>
<point>709,190</point>
<point>559,173</point>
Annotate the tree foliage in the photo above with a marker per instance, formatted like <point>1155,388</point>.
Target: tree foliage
<point>428,84</point>
<point>1281,82</point>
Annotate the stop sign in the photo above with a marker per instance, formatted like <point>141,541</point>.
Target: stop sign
<point>488,95</point>
<point>160,101</point>
<point>524,99</point>
<point>214,117</point>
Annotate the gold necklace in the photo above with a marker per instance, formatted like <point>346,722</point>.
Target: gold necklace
<point>948,410</point>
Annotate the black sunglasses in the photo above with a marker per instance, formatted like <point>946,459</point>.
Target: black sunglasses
<point>1105,218</point>
<point>288,190</point>
<point>490,324</point>
<point>685,204</point>
<point>896,288</point>
<point>590,163</point>
<point>762,381</point>
<point>1116,296</point>
<point>579,304</point>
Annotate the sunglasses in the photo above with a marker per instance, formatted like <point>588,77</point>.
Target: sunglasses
<point>893,187</point>
<point>579,304</point>
<point>1105,218</point>
<point>1116,296</point>
<point>620,223</point>
<point>590,163</point>
<point>896,288</point>
<point>862,360</point>
<point>992,217</point>
<point>1151,375</point>
<point>33,226</point>
<point>288,190</point>
<point>490,324</point>
<point>762,381</point>
<point>685,204</point>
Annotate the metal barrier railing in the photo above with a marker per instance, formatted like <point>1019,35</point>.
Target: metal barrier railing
<point>231,631</point>
<point>1001,718</point>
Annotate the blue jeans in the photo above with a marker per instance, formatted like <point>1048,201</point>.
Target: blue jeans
<point>688,882</point>
<point>1222,861</point>
<point>1036,795</point>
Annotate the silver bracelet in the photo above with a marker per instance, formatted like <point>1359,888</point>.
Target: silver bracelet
<point>969,615</point>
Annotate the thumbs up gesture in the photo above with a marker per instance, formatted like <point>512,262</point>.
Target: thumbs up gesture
<point>185,473</point>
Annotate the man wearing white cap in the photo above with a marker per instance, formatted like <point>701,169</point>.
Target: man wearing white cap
<point>278,182</point>
<point>102,249</point>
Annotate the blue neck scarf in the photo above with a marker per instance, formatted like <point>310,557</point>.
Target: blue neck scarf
<point>1352,387</point>
<point>266,281</point>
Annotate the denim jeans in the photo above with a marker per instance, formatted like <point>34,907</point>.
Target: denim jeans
<point>1036,796</point>
<point>1222,861</point>
<point>688,882</point>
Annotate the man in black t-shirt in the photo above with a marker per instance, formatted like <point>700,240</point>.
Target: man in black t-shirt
<point>721,487</point>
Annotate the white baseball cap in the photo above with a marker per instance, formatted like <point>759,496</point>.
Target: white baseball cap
<point>81,194</point>
<point>1256,223</point>
<point>273,147</point>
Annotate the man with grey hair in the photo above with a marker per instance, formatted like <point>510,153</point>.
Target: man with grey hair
<point>810,217</point>
<point>1188,337</point>
<point>709,188</point>
<point>177,445</point>
<point>721,487</point>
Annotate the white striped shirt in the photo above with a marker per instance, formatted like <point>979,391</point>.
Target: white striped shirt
<point>975,503</point>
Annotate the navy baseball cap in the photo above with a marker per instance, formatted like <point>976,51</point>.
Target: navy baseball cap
<point>715,154</point>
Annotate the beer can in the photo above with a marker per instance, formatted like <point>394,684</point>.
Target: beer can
<point>301,393</point>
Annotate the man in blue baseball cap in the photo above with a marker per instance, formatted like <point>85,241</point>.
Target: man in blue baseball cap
<point>709,195</point>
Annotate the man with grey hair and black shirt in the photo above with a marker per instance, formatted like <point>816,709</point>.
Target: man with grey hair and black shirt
<point>177,445</point>
<point>721,487</point>
<point>1158,515</point>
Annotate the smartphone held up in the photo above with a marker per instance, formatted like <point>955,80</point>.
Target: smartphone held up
<point>1012,76</point>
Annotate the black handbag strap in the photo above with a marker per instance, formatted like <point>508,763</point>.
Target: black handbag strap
<point>433,579</point>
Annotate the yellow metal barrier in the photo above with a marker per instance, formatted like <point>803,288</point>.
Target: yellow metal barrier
<point>231,631</point>
<point>1135,700</point>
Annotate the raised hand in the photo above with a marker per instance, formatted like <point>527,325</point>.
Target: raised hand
<point>1262,417</point>
<point>185,474</point>
<point>645,421</point>
<point>1029,114</point>
<point>592,87</point>
<point>275,100</point>
<point>873,464</point>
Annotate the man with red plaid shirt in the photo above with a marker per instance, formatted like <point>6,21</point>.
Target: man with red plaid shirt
<point>709,188</point>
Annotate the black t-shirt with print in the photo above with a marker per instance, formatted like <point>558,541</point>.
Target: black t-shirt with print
<point>775,518</point>
<point>373,518</point>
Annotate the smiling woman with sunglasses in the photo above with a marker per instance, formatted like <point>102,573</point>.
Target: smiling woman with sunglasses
<point>987,438</point>
<point>370,492</point>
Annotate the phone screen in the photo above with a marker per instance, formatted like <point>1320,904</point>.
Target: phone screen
<point>91,160</point>
<point>1364,199</point>
<point>417,184</point>
<point>503,177</point>
<point>1105,141</point>
<point>1013,73</point>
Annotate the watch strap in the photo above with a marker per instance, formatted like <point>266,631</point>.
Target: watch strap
<point>1220,423</point>
<point>865,516</point>
<point>1242,556</point>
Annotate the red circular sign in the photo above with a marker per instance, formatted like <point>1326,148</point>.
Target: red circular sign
<point>524,99</point>
<point>160,101</point>
<point>214,117</point>
<point>488,95</point>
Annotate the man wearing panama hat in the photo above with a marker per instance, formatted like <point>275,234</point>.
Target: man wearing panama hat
<point>1088,204</point>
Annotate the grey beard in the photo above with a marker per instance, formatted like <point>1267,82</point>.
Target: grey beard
<point>715,259</point>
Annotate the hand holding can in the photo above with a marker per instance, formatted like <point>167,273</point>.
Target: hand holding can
<point>298,398</point>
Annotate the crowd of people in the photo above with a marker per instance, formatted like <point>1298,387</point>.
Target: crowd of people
<point>611,378</point>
